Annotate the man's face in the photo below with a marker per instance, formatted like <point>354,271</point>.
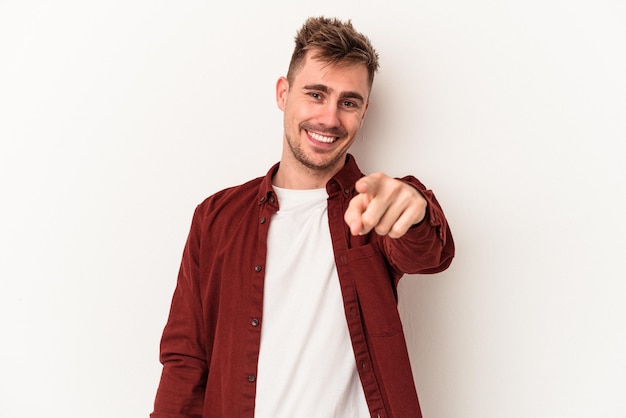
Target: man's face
<point>323,109</point>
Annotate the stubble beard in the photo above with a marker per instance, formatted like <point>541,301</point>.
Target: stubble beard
<point>313,166</point>
<point>305,160</point>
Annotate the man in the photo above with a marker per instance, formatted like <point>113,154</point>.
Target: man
<point>286,302</point>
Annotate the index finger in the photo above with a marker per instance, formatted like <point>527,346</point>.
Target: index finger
<point>368,184</point>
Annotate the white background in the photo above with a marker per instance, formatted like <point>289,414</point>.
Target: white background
<point>118,117</point>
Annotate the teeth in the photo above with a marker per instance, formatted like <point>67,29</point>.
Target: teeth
<point>322,138</point>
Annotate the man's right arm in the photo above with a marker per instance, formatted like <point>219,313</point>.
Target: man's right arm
<point>183,352</point>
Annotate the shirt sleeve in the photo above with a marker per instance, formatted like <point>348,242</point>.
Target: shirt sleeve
<point>427,247</point>
<point>183,353</point>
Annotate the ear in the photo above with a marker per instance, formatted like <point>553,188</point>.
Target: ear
<point>282,88</point>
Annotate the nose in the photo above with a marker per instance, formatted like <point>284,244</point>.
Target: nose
<point>329,115</point>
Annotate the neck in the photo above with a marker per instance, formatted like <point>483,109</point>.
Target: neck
<point>299,178</point>
<point>292,174</point>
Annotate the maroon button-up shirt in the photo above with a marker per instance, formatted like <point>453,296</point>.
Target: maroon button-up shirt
<point>210,344</point>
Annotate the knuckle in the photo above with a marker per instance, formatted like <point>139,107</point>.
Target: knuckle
<point>367,221</point>
<point>381,230</point>
<point>397,231</point>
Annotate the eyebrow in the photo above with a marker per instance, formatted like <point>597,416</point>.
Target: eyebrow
<point>344,95</point>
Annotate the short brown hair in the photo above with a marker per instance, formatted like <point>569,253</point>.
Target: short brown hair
<point>334,41</point>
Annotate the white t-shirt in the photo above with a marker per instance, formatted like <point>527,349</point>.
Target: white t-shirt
<point>306,363</point>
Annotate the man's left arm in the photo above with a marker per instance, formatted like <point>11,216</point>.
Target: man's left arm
<point>416,235</point>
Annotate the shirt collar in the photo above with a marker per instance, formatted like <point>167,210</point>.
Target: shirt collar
<point>342,182</point>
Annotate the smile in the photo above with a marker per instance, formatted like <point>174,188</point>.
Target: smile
<point>322,138</point>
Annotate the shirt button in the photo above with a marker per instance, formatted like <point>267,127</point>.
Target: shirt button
<point>262,199</point>
<point>258,268</point>
<point>347,191</point>
<point>262,220</point>
<point>254,322</point>
<point>251,378</point>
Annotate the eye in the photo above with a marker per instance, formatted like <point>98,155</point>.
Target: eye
<point>348,103</point>
<point>315,95</point>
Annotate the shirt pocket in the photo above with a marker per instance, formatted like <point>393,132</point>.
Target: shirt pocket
<point>375,291</point>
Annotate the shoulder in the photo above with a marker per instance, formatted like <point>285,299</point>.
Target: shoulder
<point>230,199</point>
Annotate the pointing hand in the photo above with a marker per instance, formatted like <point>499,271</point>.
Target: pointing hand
<point>386,205</point>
